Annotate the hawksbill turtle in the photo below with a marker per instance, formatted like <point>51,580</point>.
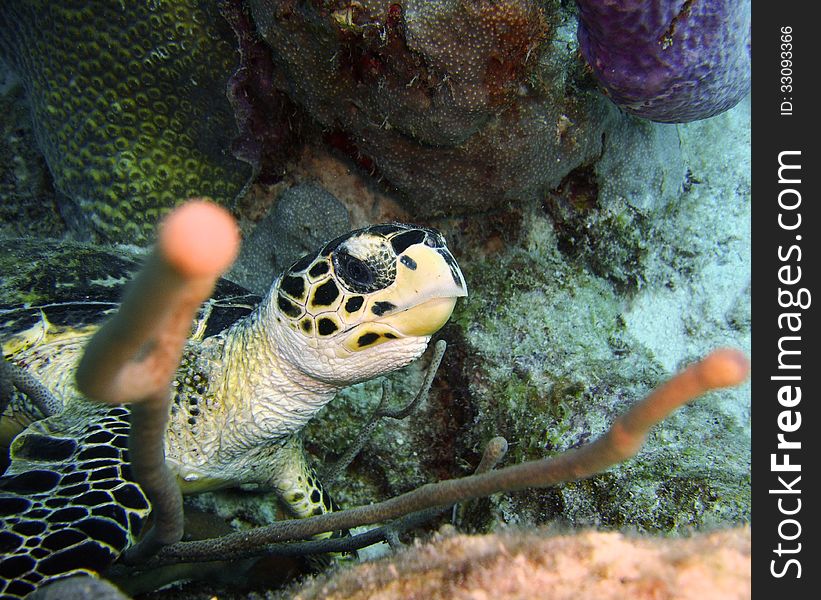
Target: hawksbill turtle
<point>253,373</point>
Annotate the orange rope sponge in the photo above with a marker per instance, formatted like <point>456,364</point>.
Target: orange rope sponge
<point>135,353</point>
<point>723,368</point>
<point>199,239</point>
<point>133,357</point>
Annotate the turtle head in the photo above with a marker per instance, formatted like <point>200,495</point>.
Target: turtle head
<point>367,302</point>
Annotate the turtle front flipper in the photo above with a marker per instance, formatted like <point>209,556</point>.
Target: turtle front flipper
<point>302,494</point>
<point>297,484</point>
<point>68,504</point>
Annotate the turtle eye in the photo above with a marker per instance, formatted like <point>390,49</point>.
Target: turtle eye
<point>353,270</point>
<point>434,239</point>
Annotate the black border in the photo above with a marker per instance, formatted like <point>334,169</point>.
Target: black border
<point>773,133</point>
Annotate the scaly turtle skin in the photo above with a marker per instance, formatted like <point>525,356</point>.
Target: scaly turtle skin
<point>250,379</point>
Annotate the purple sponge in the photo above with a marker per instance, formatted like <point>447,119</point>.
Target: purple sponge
<point>668,60</point>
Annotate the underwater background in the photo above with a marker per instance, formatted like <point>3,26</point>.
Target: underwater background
<point>602,223</point>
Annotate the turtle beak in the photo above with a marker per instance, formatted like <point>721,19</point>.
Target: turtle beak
<point>421,300</point>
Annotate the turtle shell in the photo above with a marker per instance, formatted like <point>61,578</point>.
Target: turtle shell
<point>74,287</point>
<point>66,492</point>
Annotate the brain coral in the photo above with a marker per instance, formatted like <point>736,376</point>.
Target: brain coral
<point>128,102</point>
<point>450,101</point>
<point>668,60</point>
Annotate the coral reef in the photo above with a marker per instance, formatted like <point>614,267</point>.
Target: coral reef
<point>462,106</point>
<point>514,564</point>
<point>615,249</point>
<point>128,104</point>
<point>668,60</point>
<point>436,70</point>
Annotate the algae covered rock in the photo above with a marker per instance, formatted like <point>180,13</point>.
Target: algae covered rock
<point>603,212</point>
<point>560,344</point>
<point>551,345</point>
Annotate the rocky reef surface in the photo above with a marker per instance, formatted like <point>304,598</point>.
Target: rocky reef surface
<point>571,319</point>
<point>524,565</point>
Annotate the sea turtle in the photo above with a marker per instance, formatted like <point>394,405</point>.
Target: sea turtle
<point>252,375</point>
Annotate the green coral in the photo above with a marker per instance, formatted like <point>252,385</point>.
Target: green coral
<point>129,105</point>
